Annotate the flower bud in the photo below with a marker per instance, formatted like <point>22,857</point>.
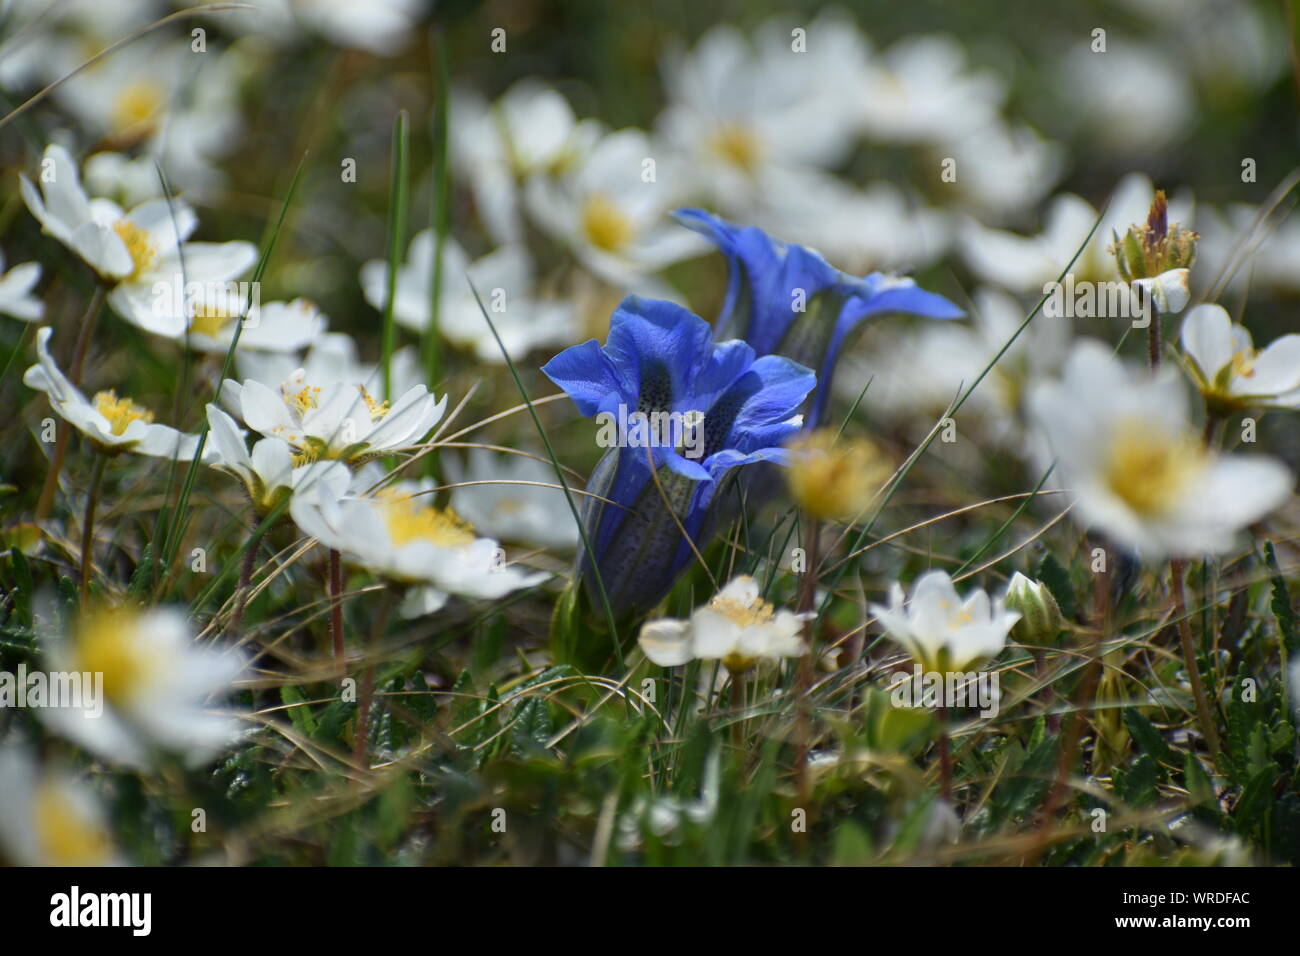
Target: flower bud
<point>1040,616</point>
<point>1155,247</point>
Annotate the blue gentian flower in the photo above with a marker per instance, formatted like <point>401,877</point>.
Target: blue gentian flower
<point>659,358</point>
<point>787,300</point>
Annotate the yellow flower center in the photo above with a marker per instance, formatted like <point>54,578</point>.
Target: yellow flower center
<point>301,400</point>
<point>66,837</point>
<point>108,643</point>
<point>605,225</point>
<point>408,520</point>
<point>120,412</point>
<point>834,478</point>
<point>739,146</point>
<point>211,320</point>
<point>1243,363</point>
<point>136,106</point>
<point>139,245</point>
<point>1147,466</point>
<point>744,615</point>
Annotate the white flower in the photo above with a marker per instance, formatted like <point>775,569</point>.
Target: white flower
<point>920,90</point>
<point>331,359</point>
<point>382,27</point>
<point>942,631</point>
<point>156,681</point>
<point>504,280</point>
<point>16,297</point>
<point>270,474</point>
<point>273,327</point>
<point>737,627</point>
<point>1230,371</point>
<point>612,214</point>
<point>141,255</point>
<point>738,111</point>
<point>1139,471</point>
<point>49,818</point>
<point>397,534</point>
<point>530,131</point>
<point>1131,100</point>
<point>510,503</point>
<point>1003,170</point>
<point>114,424</point>
<point>338,420</point>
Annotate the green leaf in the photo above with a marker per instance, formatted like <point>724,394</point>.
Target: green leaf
<point>1147,736</point>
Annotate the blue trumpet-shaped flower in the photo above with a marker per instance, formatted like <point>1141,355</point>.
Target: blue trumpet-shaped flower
<point>718,408</point>
<point>787,300</point>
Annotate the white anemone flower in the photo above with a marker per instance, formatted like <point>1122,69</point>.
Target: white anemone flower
<point>330,359</point>
<point>941,631</point>
<point>269,473</point>
<point>742,109</point>
<point>504,280</point>
<point>156,682</point>
<point>1230,372</point>
<point>50,818</point>
<point>529,131</point>
<point>114,424</point>
<point>736,627</point>
<point>513,497</point>
<point>397,534</point>
<point>1139,471</point>
<point>270,327</point>
<point>16,286</point>
<point>612,214</point>
<point>142,255</point>
<point>339,420</point>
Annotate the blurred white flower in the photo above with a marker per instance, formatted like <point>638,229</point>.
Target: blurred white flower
<point>49,819</point>
<point>16,286</point>
<point>270,474</point>
<point>397,534</point>
<point>1002,170</point>
<point>141,255</point>
<point>530,131</point>
<point>269,327</point>
<point>921,90</point>
<point>738,110</point>
<point>612,209</point>
<point>331,359</point>
<point>1139,471</point>
<point>511,503</point>
<point>156,681</point>
<point>942,631</point>
<point>1130,99</point>
<point>113,424</point>
<point>504,280</point>
<point>1230,372</point>
<point>879,228</point>
<point>1263,254</point>
<point>382,27</point>
<point>736,627</point>
<point>338,420</point>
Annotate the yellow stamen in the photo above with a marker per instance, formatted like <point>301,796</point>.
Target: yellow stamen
<point>108,643</point>
<point>745,615</point>
<point>739,146</point>
<point>834,478</point>
<point>120,412</point>
<point>1243,363</point>
<point>1147,466</point>
<point>377,409</point>
<point>301,400</point>
<point>139,245</point>
<point>66,837</point>
<point>409,519</point>
<point>605,225</point>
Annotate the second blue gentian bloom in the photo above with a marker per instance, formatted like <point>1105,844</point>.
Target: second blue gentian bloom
<point>787,300</point>
<point>659,358</point>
